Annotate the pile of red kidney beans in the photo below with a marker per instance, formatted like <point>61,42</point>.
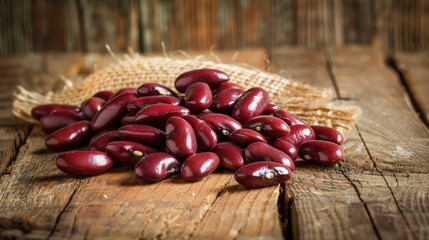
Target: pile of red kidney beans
<point>210,123</point>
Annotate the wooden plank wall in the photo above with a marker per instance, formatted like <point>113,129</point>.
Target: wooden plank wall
<point>84,25</point>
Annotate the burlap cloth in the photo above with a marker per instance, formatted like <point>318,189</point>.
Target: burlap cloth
<point>314,106</point>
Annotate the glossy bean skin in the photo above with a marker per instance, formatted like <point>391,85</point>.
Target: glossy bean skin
<point>91,106</point>
<point>321,152</point>
<point>181,139</point>
<point>243,137</point>
<point>212,77</point>
<point>111,113</point>
<point>39,111</point>
<point>262,174</point>
<point>128,153</point>
<point>58,119</point>
<point>128,119</point>
<point>250,104</point>
<point>156,167</point>
<point>299,134</point>
<point>225,85</point>
<point>153,89</point>
<point>199,166</point>
<point>222,124</point>
<point>328,134</point>
<point>230,155</point>
<point>285,147</point>
<point>270,109</point>
<point>105,95</point>
<point>269,126</point>
<point>100,141</point>
<point>224,101</point>
<point>122,91</point>
<point>206,136</point>
<point>260,151</point>
<point>158,114</point>
<point>143,134</point>
<point>136,105</point>
<point>84,163</point>
<point>74,135</point>
<point>198,97</point>
<point>288,117</point>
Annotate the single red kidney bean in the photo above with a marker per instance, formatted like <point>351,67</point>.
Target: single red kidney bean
<point>74,135</point>
<point>39,111</point>
<point>198,166</point>
<point>230,155</point>
<point>250,104</point>
<point>270,109</point>
<point>156,167</point>
<point>198,97</point>
<point>143,134</point>
<point>111,113</point>
<point>158,114</point>
<point>225,85</point>
<point>321,152</point>
<point>205,112</point>
<point>181,138</point>
<point>100,141</point>
<point>262,174</point>
<point>285,147</point>
<point>288,117</point>
<point>269,126</point>
<point>206,136</point>
<point>122,91</point>
<point>152,89</point>
<point>244,137</point>
<point>58,119</point>
<point>91,106</point>
<point>259,151</point>
<point>224,101</point>
<point>84,163</point>
<point>128,153</point>
<point>105,95</point>
<point>222,124</point>
<point>139,103</point>
<point>212,77</point>
<point>128,119</point>
<point>328,134</point>
<point>299,134</point>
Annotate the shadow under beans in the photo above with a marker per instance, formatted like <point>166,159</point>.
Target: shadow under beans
<point>60,177</point>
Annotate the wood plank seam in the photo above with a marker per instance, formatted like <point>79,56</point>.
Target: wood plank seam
<point>18,144</point>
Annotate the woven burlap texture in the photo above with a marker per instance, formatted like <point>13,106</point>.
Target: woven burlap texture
<point>313,105</point>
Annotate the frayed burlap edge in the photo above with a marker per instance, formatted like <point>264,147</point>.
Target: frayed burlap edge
<point>313,105</point>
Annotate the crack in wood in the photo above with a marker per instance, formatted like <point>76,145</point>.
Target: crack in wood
<point>18,144</point>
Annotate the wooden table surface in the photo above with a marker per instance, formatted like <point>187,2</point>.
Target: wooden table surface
<point>379,191</point>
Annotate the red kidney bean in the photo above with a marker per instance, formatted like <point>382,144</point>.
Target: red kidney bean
<point>143,134</point>
<point>225,85</point>
<point>262,174</point>
<point>205,112</point>
<point>181,138</point>
<point>84,163</point>
<point>122,91</point>
<point>153,89</point>
<point>328,134</point>
<point>212,77</point>
<point>244,137</point>
<point>206,136</point>
<point>105,95</point>
<point>128,153</point>
<point>299,134</point>
<point>39,111</point>
<point>224,101</point>
<point>199,166</point>
<point>269,126</point>
<point>285,147</point>
<point>128,119</point>
<point>158,114</point>
<point>198,97</point>
<point>58,119</point>
<point>139,103</point>
<point>222,124</point>
<point>111,113</point>
<point>230,155</point>
<point>270,109</point>
<point>100,141</point>
<point>259,151</point>
<point>250,104</point>
<point>74,135</point>
<point>91,106</point>
<point>288,117</point>
<point>321,152</point>
<point>156,167</point>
